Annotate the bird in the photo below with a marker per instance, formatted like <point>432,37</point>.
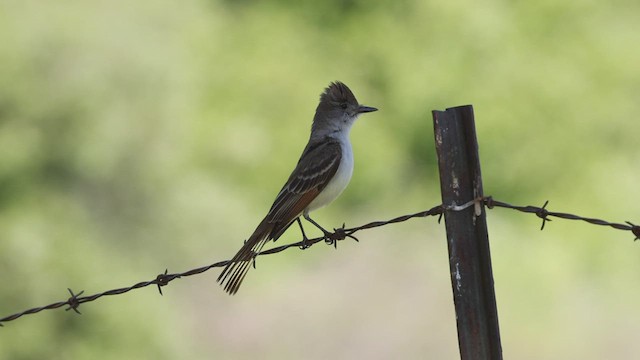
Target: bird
<point>321,174</point>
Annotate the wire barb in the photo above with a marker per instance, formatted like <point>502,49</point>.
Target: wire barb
<point>162,280</point>
<point>543,214</point>
<point>338,235</point>
<point>635,229</point>
<point>73,302</point>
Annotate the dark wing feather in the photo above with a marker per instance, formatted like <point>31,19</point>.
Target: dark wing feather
<point>317,165</point>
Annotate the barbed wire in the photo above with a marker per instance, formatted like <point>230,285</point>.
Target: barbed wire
<point>163,279</point>
<point>342,233</point>
<point>544,214</point>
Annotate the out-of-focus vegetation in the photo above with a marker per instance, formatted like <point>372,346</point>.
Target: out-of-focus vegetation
<point>139,136</point>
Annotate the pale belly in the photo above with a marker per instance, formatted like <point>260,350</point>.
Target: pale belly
<point>339,182</point>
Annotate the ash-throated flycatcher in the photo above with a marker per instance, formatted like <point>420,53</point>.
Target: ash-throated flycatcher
<point>322,173</point>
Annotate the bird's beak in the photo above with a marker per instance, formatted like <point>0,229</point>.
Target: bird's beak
<point>366,109</point>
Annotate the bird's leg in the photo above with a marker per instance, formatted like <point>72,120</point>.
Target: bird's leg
<point>327,235</point>
<point>305,239</point>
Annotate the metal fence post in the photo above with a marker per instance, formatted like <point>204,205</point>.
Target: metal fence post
<point>467,238</point>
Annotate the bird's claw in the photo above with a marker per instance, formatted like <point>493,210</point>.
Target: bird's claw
<point>305,243</point>
<point>337,235</point>
<point>330,239</point>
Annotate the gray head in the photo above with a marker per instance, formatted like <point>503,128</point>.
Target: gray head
<point>337,111</point>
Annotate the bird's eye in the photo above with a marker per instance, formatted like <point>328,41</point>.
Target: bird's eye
<point>343,106</point>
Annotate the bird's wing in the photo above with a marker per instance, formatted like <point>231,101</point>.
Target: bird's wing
<point>316,167</point>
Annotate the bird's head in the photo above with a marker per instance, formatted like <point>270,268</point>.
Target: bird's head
<point>337,111</point>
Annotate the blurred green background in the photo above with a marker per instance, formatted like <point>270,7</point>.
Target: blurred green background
<point>139,136</point>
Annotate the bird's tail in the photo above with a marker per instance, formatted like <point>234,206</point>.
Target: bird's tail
<point>235,271</point>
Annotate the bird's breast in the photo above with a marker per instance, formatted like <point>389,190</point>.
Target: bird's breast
<point>339,182</point>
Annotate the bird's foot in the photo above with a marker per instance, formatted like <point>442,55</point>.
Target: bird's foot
<point>330,238</point>
<point>337,235</point>
<point>305,242</point>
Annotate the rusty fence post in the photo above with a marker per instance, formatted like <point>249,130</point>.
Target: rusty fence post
<point>467,238</point>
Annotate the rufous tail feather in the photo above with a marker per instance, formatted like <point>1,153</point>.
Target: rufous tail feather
<point>235,271</point>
